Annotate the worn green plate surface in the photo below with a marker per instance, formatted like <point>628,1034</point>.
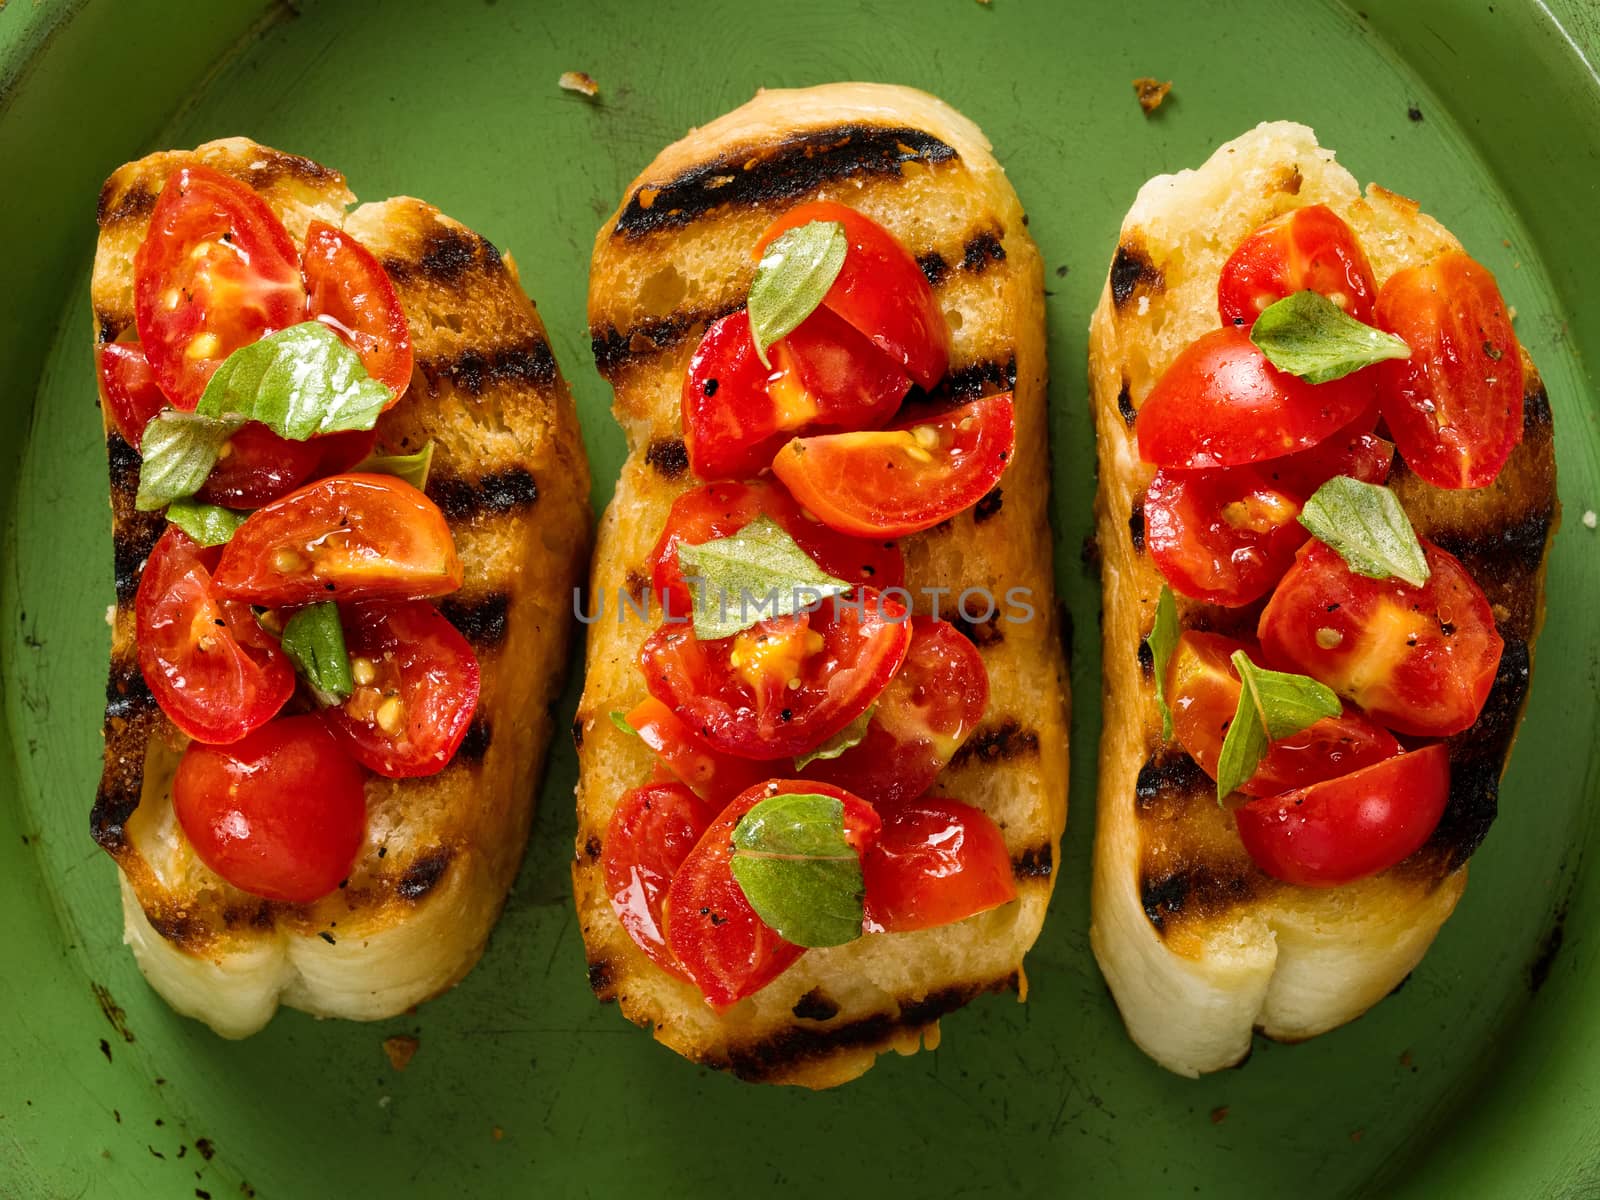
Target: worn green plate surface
<point>1479,1078</point>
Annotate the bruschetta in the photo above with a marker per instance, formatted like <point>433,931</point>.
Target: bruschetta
<point>805,837</point>
<point>349,504</point>
<point>1327,489</point>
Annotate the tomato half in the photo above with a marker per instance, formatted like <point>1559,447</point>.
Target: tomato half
<point>1418,660</point>
<point>1345,829</point>
<point>880,290</point>
<point>785,685</point>
<point>935,861</point>
<point>257,466</point>
<point>210,666</point>
<point>1227,535</point>
<point>1454,407</point>
<point>1308,248</point>
<point>1222,404</point>
<point>216,271</point>
<point>713,776</point>
<point>342,452</point>
<point>652,830</point>
<point>712,931</point>
<point>348,290</point>
<point>349,537</point>
<point>1203,692</point>
<point>280,813</point>
<point>416,688</point>
<point>737,413</point>
<point>128,388</point>
<point>926,468</point>
<point>719,510</point>
<point>932,704</point>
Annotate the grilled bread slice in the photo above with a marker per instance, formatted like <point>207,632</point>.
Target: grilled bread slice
<point>510,475</point>
<point>1198,945</point>
<point>676,256</point>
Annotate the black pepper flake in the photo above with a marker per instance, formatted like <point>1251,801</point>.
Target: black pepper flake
<point>710,387</point>
<point>787,714</point>
<point>327,937</point>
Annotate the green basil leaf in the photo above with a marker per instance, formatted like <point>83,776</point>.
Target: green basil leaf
<point>177,452</point>
<point>208,524</point>
<point>792,862</point>
<point>1163,638</point>
<point>620,720</point>
<point>1310,336</point>
<point>851,735</point>
<point>413,468</point>
<point>1273,705</point>
<point>793,276</point>
<point>299,382</point>
<point>1369,529</point>
<point>756,574</point>
<point>314,641</point>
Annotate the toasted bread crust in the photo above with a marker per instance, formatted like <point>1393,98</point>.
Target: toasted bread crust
<point>675,256</point>
<point>510,474</point>
<point>1198,944</point>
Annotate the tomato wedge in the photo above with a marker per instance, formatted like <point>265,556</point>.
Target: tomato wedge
<point>210,666</point>
<point>1345,829</point>
<point>932,704</point>
<point>880,290</point>
<point>280,813</point>
<point>129,392</point>
<point>349,537</point>
<point>712,931</point>
<point>416,688</point>
<point>785,685</point>
<point>713,776</point>
<point>1455,406</point>
<point>216,271</point>
<point>1203,691</point>
<point>256,467</point>
<point>935,861</point>
<point>719,510</point>
<point>348,290</point>
<point>1222,404</point>
<point>652,831</point>
<point>1418,660</point>
<point>925,469</point>
<point>1307,248</point>
<point>1227,535</point>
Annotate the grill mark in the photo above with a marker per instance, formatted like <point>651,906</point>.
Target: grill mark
<point>815,1005</point>
<point>988,506</point>
<point>1173,774</point>
<point>124,463</point>
<point>1497,553</point>
<point>791,168</point>
<point>980,633</point>
<point>592,848</point>
<point>108,325</point>
<point>981,251</point>
<point>1536,415</point>
<point>600,981</point>
<point>577,733</point>
<point>615,348</point>
<point>127,693</point>
<point>134,204</point>
<point>1036,863</point>
<point>527,363</point>
<point>997,743</point>
<point>669,456</point>
<point>449,255</point>
<point>482,621</point>
<point>1125,405</point>
<point>462,500</point>
<point>1136,527</point>
<point>972,381</point>
<point>934,267</point>
<point>1147,660</point>
<point>1191,891</point>
<point>475,744</point>
<point>424,873</point>
<point>1129,269</point>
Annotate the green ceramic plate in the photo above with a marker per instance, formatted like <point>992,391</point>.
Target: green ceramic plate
<point>1478,1079</point>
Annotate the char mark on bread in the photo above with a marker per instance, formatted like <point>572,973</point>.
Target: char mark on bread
<point>1131,271</point>
<point>475,370</point>
<point>481,620</point>
<point>463,501</point>
<point>998,741</point>
<point>449,256</point>
<point>669,456</point>
<point>425,873</point>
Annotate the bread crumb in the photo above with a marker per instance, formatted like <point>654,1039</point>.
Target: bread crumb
<point>401,1049</point>
<point>111,615</point>
<point>1151,92</point>
<point>1589,519</point>
<point>579,81</point>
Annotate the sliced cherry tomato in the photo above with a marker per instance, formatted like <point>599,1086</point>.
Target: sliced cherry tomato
<point>280,813</point>
<point>652,831</point>
<point>216,271</point>
<point>825,376</point>
<point>211,667</point>
<point>342,452</point>
<point>256,467</point>
<point>349,537</point>
<point>1308,248</point>
<point>713,776</point>
<point>1222,404</point>
<point>416,688</point>
<point>1454,407</point>
<point>1203,691</point>
<point>1345,829</point>
<point>925,469</point>
<point>348,290</point>
<point>880,290</point>
<point>712,931</point>
<point>936,861</point>
<point>719,510</point>
<point>128,389</point>
<point>787,684</point>
<point>934,701</point>
<point>1227,535</point>
<point>1418,660</point>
